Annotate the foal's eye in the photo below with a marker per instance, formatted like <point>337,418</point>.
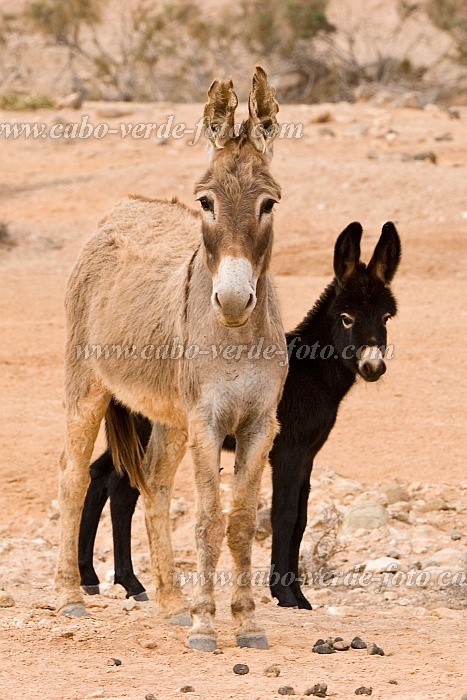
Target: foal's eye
<point>206,204</point>
<point>266,206</point>
<point>386,318</point>
<point>347,321</point>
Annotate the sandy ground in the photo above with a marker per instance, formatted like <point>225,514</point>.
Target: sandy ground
<point>410,426</point>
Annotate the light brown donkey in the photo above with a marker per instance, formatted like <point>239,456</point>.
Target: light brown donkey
<point>192,297</point>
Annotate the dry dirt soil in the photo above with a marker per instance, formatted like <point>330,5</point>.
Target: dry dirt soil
<point>352,162</point>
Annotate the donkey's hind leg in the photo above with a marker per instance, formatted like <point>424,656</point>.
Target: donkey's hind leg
<point>83,420</point>
<point>164,453</point>
<point>253,446</point>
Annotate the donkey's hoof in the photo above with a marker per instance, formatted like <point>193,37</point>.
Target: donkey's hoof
<point>253,641</point>
<point>202,642</point>
<point>181,619</point>
<point>140,597</point>
<point>74,610</point>
<point>91,590</point>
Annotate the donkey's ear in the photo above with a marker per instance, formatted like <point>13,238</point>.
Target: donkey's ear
<point>262,126</point>
<point>219,113</point>
<point>387,255</point>
<point>347,252</point>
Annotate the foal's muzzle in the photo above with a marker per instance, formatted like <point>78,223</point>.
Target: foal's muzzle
<point>371,365</point>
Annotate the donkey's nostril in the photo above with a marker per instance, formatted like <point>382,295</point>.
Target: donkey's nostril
<point>217,302</point>
<point>251,302</point>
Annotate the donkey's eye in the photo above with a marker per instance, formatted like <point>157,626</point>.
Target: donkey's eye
<point>206,204</point>
<point>347,321</point>
<point>386,318</point>
<point>266,206</point>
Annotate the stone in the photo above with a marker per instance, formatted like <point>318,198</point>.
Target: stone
<point>6,600</point>
<point>456,535</point>
<point>319,690</point>
<point>381,565</point>
<point>446,557</point>
<point>286,690</point>
<point>324,649</point>
<point>187,689</point>
<point>272,671</point>
<point>263,524</point>
<point>241,669</point>
<point>130,605</point>
<point>433,505</point>
<point>217,652</point>
<point>363,690</point>
<point>150,696</point>
<point>113,662</point>
<point>373,649</point>
<point>358,643</point>
<point>431,156</point>
<point>341,645</point>
<point>395,493</point>
<point>368,516</point>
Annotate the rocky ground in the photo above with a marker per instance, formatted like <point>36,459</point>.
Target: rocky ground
<point>389,487</point>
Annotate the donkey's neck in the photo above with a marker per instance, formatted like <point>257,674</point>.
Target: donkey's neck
<point>316,332</point>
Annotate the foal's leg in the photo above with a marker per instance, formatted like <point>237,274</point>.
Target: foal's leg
<point>300,526</point>
<point>209,532</point>
<point>165,451</point>
<point>96,498</point>
<point>253,446</point>
<point>83,420</point>
<point>123,499</point>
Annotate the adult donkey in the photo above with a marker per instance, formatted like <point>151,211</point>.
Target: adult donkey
<point>342,337</point>
<point>154,273</point>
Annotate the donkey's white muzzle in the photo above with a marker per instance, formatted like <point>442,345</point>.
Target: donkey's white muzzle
<point>234,291</point>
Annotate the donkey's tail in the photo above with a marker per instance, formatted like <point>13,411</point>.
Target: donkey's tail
<point>125,444</point>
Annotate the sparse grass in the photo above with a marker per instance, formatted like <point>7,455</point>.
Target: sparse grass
<point>16,102</point>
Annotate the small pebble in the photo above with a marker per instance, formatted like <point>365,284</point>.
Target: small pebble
<point>241,669</point>
<point>374,650</point>
<point>6,600</point>
<point>456,535</point>
<point>363,691</point>
<point>187,689</point>
<point>113,662</point>
<point>265,599</point>
<point>272,671</point>
<point>150,696</point>
<point>319,690</point>
<point>286,690</point>
<point>393,682</point>
<point>324,649</point>
<point>341,645</point>
<point>216,652</point>
<point>358,643</point>
<point>319,642</point>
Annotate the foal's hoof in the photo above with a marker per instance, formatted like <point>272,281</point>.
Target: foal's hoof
<point>202,642</point>
<point>91,590</point>
<point>253,641</point>
<point>140,597</point>
<point>181,619</point>
<point>74,610</point>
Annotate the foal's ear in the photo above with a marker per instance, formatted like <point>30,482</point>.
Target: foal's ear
<point>262,126</point>
<point>387,255</point>
<point>219,113</point>
<point>347,252</point>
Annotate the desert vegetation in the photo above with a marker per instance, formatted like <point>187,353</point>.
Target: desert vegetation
<point>316,50</point>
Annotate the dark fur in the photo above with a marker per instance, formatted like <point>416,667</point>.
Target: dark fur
<point>307,412</point>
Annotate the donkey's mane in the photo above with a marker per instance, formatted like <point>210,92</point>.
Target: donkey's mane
<point>321,304</point>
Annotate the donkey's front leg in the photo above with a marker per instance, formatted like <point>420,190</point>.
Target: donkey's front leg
<point>253,446</point>
<point>164,453</point>
<point>210,526</point>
